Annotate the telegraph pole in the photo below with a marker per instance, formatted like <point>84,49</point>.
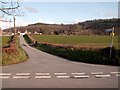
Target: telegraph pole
<point>14,25</point>
<point>10,27</point>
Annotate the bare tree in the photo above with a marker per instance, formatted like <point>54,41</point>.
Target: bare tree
<point>9,8</point>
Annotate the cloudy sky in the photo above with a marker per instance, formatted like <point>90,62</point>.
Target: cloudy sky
<point>63,12</point>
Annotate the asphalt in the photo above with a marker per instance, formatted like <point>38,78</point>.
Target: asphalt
<point>43,70</point>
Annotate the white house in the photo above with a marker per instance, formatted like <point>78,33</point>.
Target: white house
<point>19,32</point>
<point>29,33</point>
<point>36,32</point>
<point>23,33</point>
<point>26,32</point>
<point>12,33</point>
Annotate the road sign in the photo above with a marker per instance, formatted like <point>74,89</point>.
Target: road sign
<point>112,34</point>
<point>109,30</point>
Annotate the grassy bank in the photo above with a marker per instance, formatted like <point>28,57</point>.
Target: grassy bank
<point>6,40</point>
<point>100,56</point>
<point>14,54</point>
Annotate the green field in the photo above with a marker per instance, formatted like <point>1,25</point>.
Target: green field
<point>93,41</point>
<point>5,40</point>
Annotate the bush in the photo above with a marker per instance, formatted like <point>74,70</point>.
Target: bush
<point>87,56</point>
<point>28,40</point>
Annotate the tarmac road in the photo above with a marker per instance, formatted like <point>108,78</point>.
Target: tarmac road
<point>43,70</point>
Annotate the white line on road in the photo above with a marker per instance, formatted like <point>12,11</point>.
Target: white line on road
<point>23,74</point>
<point>42,73</point>
<point>4,77</point>
<point>60,73</point>
<point>85,76</point>
<point>5,74</point>
<point>118,75</point>
<point>102,76</point>
<point>78,73</point>
<point>42,77</point>
<point>94,73</point>
<point>63,76</point>
<point>21,77</point>
<point>115,72</point>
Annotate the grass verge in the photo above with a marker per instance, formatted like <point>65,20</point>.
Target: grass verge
<point>6,41</point>
<point>13,54</point>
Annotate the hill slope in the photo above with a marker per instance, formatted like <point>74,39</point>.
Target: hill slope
<point>92,27</point>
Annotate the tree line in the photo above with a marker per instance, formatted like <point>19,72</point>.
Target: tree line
<point>91,27</point>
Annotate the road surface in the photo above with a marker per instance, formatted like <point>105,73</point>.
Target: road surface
<point>43,70</point>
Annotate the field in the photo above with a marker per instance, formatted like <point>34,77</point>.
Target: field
<point>91,41</point>
<point>5,40</point>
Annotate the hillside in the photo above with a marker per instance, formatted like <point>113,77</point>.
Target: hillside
<point>92,27</point>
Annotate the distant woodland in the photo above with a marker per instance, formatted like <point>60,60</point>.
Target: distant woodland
<point>91,27</point>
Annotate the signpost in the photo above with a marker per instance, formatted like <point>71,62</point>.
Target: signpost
<point>112,34</point>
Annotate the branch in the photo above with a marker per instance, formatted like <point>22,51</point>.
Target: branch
<point>4,21</point>
<point>10,8</point>
<point>6,9</point>
<point>3,2</point>
<point>5,12</point>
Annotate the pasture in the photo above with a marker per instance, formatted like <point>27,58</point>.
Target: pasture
<point>82,40</point>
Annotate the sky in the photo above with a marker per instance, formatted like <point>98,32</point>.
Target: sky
<point>63,12</point>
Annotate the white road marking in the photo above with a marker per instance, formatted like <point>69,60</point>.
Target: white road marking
<point>42,73</point>
<point>60,73</point>
<point>42,77</point>
<point>78,73</point>
<point>63,76</point>
<point>21,77</point>
<point>5,74</point>
<point>23,74</point>
<point>115,72</point>
<point>45,75</point>
<point>102,76</point>
<point>94,73</point>
<point>118,75</point>
<point>4,77</point>
<point>85,76</point>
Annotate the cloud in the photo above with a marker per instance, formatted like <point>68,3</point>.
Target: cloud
<point>22,23</point>
<point>31,9</point>
<point>6,25</point>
